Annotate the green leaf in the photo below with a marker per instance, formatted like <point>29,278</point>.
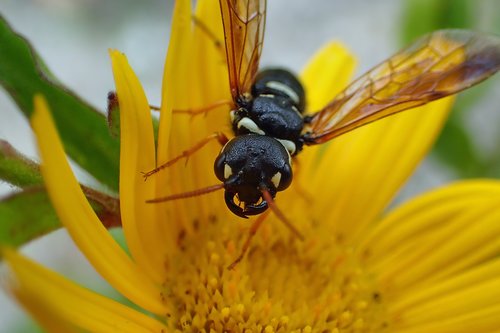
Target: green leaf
<point>423,16</point>
<point>454,148</point>
<point>29,214</point>
<point>83,129</point>
<point>19,225</point>
<point>26,324</point>
<point>16,169</point>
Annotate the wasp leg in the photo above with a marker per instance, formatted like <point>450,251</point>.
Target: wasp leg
<point>197,111</point>
<point>190,194</point>
<point>221,138</point>
<point>279,214</point>
<point>253,230</point>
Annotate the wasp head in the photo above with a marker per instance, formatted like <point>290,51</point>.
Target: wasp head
<point>247,165</point>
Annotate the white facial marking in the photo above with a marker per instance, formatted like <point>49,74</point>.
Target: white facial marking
<point>276,179</point>
<point>285,89</point>
<point>231,115</point>
<point>289,146</point>
<point>228,172</point>
<point>250,126</point>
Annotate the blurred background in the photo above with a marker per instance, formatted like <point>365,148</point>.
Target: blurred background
<point>73,37</point>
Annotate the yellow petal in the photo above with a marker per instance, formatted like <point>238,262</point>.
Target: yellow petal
<point>83,225</point>
<point>45,314</point>
<point>326,74</point>
<point>175,95</point>
<point>436,236</point>
<point>210,81</point>
<point>444,266</point>
<point>479,283</point>
<point>391,232</point>
<point>142,227</point>
<point>68,305</point>
<point>175,90</point>
<point>485,320</point>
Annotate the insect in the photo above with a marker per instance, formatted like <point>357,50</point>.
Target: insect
<point>268,115</point>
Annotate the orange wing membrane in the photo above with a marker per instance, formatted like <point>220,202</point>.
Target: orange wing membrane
<point>244,23</point>
<point>436,65</point>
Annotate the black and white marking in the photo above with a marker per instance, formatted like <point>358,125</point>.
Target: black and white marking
<point>268,129</point>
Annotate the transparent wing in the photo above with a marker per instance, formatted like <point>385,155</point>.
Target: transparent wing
<point>244,24</point>
<point>436,65</point>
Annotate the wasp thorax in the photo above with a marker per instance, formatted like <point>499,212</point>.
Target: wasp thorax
<point>270,115</point>
<point>248,164</point>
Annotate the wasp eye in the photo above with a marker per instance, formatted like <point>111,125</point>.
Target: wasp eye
<point>283,178</point>
<point>220,167</point>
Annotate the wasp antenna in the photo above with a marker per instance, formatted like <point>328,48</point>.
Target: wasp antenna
<point>189,194</point>
<point>270,202</point>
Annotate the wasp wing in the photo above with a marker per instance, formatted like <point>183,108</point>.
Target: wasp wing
<point>244,23</point>
<point>436,65</point>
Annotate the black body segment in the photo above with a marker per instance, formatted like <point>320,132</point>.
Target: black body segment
<point>280,82</point>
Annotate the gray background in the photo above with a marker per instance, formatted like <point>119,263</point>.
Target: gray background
<point>73,38</point>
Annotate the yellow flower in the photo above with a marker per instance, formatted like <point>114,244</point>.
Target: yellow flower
<point>430,265</point>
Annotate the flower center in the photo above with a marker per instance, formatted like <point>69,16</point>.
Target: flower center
<point>282,285</point>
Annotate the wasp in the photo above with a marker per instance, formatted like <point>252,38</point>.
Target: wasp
<point>268,116</point>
